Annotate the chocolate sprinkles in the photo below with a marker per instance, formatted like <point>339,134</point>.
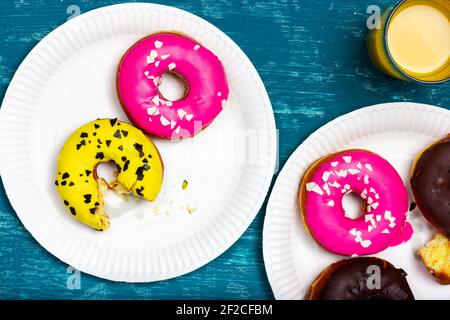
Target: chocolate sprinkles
<point>87,198</point>
<point>138,147</point>
<point>125,165</point>
<point>139,191</point>
<point>140,171</point>
<point>117,134</point>
<point>82,143</point>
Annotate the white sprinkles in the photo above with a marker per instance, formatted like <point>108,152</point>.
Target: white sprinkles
<point>369,194</point>
<point>152,59</point>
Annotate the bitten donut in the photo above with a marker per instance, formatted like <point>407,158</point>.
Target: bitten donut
<point>366,278</point>
<point>137,158</point>
<point>138,79</point>
<point>383,221</point>
<point>430,183</point>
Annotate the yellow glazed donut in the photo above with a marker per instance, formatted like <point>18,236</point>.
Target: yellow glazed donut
<point>137,158</point>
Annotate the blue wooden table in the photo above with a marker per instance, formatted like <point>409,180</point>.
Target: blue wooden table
<point>311,56</point>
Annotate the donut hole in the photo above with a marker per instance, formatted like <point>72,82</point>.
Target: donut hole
<point>112,193</point>
<point>172,86</point>
<point>353,205</point>
<point>107,170</point>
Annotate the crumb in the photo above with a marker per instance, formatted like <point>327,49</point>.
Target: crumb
<point>191,210</point>
<point>156,211</point>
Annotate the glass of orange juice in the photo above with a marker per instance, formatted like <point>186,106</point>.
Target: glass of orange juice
<point>413,41</point>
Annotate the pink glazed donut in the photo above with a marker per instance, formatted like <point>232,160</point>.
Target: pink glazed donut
<point>383,222</point>
<point>138,78</point>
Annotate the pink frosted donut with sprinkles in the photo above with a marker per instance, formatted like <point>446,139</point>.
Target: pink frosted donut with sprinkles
<point>383,221</point>
<point>139,76</point>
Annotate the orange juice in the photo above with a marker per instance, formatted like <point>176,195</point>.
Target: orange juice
<point>414,41</point>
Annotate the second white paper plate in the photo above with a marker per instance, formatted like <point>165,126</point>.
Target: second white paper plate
<point>396,131</point>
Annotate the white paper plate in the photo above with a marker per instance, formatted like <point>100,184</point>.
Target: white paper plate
<point>69,79</point>
<point>396,131</point>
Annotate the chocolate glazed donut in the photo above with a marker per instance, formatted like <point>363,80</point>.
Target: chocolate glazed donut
<point>430,183</point>
<point>349,280</point>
